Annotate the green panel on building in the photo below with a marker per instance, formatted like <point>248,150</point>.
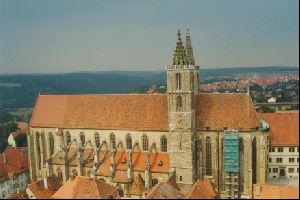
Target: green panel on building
<point>231,153</point>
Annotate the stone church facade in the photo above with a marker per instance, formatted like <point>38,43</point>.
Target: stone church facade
<point>116,137</point>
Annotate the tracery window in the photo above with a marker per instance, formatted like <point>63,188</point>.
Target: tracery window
<point>68,138</point>
<point>208,157</point>
<point>97,140</point>
<point>254,161</point>
<point>164,144</point>
<point>51,144</point>
<point>128,141</point>
<point>179,103</point>
<point>82,138</point>
<point>113,140</point>
<point>145,142</point>
<point>178,81</point>
<point>38,145</point>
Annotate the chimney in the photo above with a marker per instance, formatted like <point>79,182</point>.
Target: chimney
<point>45,183</point>
<point>257,190</point>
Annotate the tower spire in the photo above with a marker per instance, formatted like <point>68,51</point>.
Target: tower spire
<point>189,49</point>
<point>179,54</point>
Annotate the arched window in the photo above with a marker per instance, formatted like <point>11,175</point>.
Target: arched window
<point>51,144</point>
<point>178,81</point>
<point>82,138</point>
<point>128,141</point>
<point>68,138</point>
<point>113,141</point>
<point>59,175</point>
<point>154,182</point>
<point>178,103</point>
<point>97,140</point>
<point>254,161</point>
<point>145,142</point>
<point>208,157</point>
<point>164,144</point>
<point>38,145</point>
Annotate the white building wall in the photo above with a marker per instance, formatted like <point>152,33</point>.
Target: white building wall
<point>287,165</point>
<point>5,186</point>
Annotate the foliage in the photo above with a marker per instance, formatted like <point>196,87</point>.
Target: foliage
<point>266,109</point>
<point>5,116</point>
<point>21,140</point>
<point>5,130</point>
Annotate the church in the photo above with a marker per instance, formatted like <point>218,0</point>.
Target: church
<point>118,137</point>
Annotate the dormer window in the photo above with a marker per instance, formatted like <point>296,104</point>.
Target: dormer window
<point>160,163</point>
<point>124,161</point>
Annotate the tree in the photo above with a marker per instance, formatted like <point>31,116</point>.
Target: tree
<point>5,116</point>
<point>3,145</point>
<point>21,140</point>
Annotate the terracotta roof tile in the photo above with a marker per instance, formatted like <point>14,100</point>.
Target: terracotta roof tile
<point>138,162</point>
<point>120,176</point>
<point>72,157</point>
<point>234,111</point>
<point>85,188</point>
<point>131,111</point>
<point>140,111</point>
<point>202,189</point>
<point>40,192</point>
<point>163,190</point>
<point>275,192</point>
<point>284,128</point>
<point>172,181</point>
<point>12,160</point>
<point>138,186</point>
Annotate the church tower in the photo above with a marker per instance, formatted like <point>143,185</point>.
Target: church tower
<point>182,85</point>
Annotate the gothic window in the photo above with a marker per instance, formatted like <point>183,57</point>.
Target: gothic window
<point>145,142</point>
<point>82,138</point>
<point>59,175</point>
<point>38,145</point>
<point>254,161</point>
<point>178,103</point>
<point>154,182</point>
<point>97,140</point>
<point>208,157</point>
<point>51,143</point>
<point>164,144</point>
<point>178,81</point>
<point>113,141</point>
<point>192,81</point>
<point>128,141</point>
<point>68,138</point>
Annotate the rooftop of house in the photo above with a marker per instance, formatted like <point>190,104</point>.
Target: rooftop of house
<point>12,161</point>
<point>266,191</point>
<point>284,128</point>
<point>42,191</point>
<point>86,188</point>
<point>141,111</point>
<point>202,189</point>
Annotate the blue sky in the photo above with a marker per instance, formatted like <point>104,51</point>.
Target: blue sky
<point>77,35</point>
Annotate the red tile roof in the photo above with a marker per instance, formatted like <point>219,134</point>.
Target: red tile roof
<point>86,188</point>
<point>163,190</point>
<point>284,128</point>
<point>40,192</point>
<point>140,111</point>
<point>131,111</point>
<point>12,160</point>
<point>275,192</point>
<point>233,111</point>
<point>138,186</point>
<point>22,128</point>
<point>138,162</point>
<point>202,189</point>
